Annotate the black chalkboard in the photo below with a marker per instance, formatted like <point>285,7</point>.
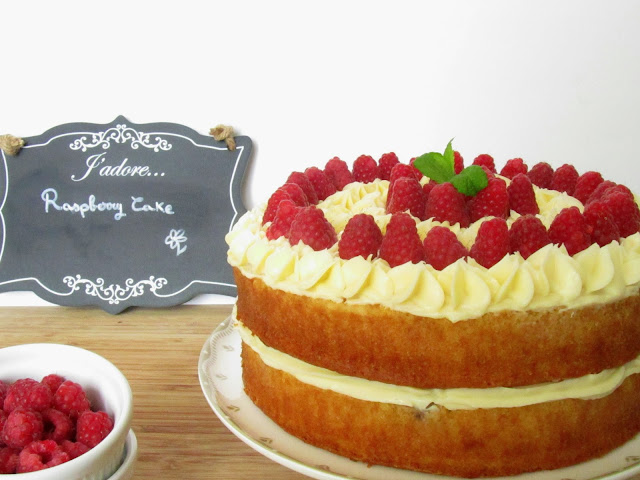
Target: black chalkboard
<point>120,215</point>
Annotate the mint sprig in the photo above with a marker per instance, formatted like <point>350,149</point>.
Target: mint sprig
<point>440,168</point>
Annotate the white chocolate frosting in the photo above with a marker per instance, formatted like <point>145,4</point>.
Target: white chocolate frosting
<point>587,387</point>
<point>463,290</point>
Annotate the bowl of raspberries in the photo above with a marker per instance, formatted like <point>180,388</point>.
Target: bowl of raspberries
<point>65,413</point>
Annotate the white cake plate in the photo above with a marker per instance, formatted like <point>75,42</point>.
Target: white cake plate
<point>219,371</point>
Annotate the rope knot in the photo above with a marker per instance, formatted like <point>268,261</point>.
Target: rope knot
<point>11,145</point>
<point>224,132</point>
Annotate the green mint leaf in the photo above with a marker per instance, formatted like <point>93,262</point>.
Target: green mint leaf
<point>470,180</point>
<point>448,153</point>
<point>435,166</point>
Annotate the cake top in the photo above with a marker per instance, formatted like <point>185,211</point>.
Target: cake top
<point>521,238</point>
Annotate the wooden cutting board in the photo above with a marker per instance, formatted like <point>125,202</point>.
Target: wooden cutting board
<point>178,434</point>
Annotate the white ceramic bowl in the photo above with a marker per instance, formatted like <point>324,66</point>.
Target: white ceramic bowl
<point>106,387</point>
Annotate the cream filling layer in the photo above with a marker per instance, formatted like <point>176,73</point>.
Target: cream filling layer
<point>586,388</point>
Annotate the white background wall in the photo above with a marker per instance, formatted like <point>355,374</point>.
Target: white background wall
<point>554,81</point>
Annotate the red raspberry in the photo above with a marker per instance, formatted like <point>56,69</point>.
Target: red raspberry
<point>8,460</point>
<point>570,229</point>
<point>73,449</point>
<point>3,420</point>
<point>513,167</point>
<point>272,205</point>
<point>624,209</point>
<point>418,173</point>
<point>522,198</point>
<point>386,164</point>
<point>564,179</point>
<point>27,393</point>
<point>296,194</point>
<point>302,180</point>
<point>426,188</point>
<point>492,242</point>
<point>407,196</point>
<point>22,427</point>
<point>3,392</point>
<point>402,170</point>
<point>442,248</point>
<point>57,425</point>
<point>93,427</point>
<point>312,228</point>
<point>586,184</point>
<point>361,236</point>
<point>401,243</point>
<point>601,222</point>
<point>485,160</point>
<point>40,455</point>
<point>541,175</point>
<point>446,204</point>
<point>53,381</point>
<point>281,224</point>
<point>458,162</point>
<point>365,169</point>
<point>527,235</point>
<point>321,183</point>
<point>491,201</point>
<point>337,171</point>
<point>600,190</point>
<point>71,399</point>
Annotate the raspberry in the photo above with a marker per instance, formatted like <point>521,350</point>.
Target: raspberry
<point>418,173</point>
<point>93,427</point>
<point>541,175</point>
<point>492,242</point>
<point>338,173</point>
<point>22,427</point>
<point>3,420</point>
<point>623,208</point>
<point>57,425</point>
<point>492,201</point>
<point>365,169</point>
<point>401,243</point>
<point>522,198</point>
<point>41,455</point>
<point>442,248</point>
<point>321,183</point>
<point>3,392</point>
<point>281,224</point>
<point>513,167</point>
<point>27,393</point>
<point>302,180</point>
<point>570,229</point>
<point>601,222</point>
<point>73,449</point>
<point>53,381</point>
<point>426,188</point>
<point>458,162</point>
<point>564,179</point>
<point>446,204</point>
<point>407,196</point>
<point>600,190</point>
<point>8,460</point>
<point>485,160</point>
<point>586,184</point>
<point>527,235</point>
<point>272,205</point>
<point>312,228</point>
<point>361,236</point>
<point>386,164</point>
<point>402,170</point>
<point>296,194</point>
<point>71,399</point>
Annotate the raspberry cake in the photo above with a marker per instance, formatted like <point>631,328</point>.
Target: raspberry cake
<point>451,320</point>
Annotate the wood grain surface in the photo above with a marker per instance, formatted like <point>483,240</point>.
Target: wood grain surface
<point>178,434</point>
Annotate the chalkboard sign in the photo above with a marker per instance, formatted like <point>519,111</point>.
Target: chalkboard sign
<point>120,215</point>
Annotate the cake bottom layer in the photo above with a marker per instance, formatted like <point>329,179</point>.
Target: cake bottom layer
<point>466,443</point>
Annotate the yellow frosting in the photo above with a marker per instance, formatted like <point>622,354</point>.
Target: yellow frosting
<point>463,290</point>
<point>587,387</point>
